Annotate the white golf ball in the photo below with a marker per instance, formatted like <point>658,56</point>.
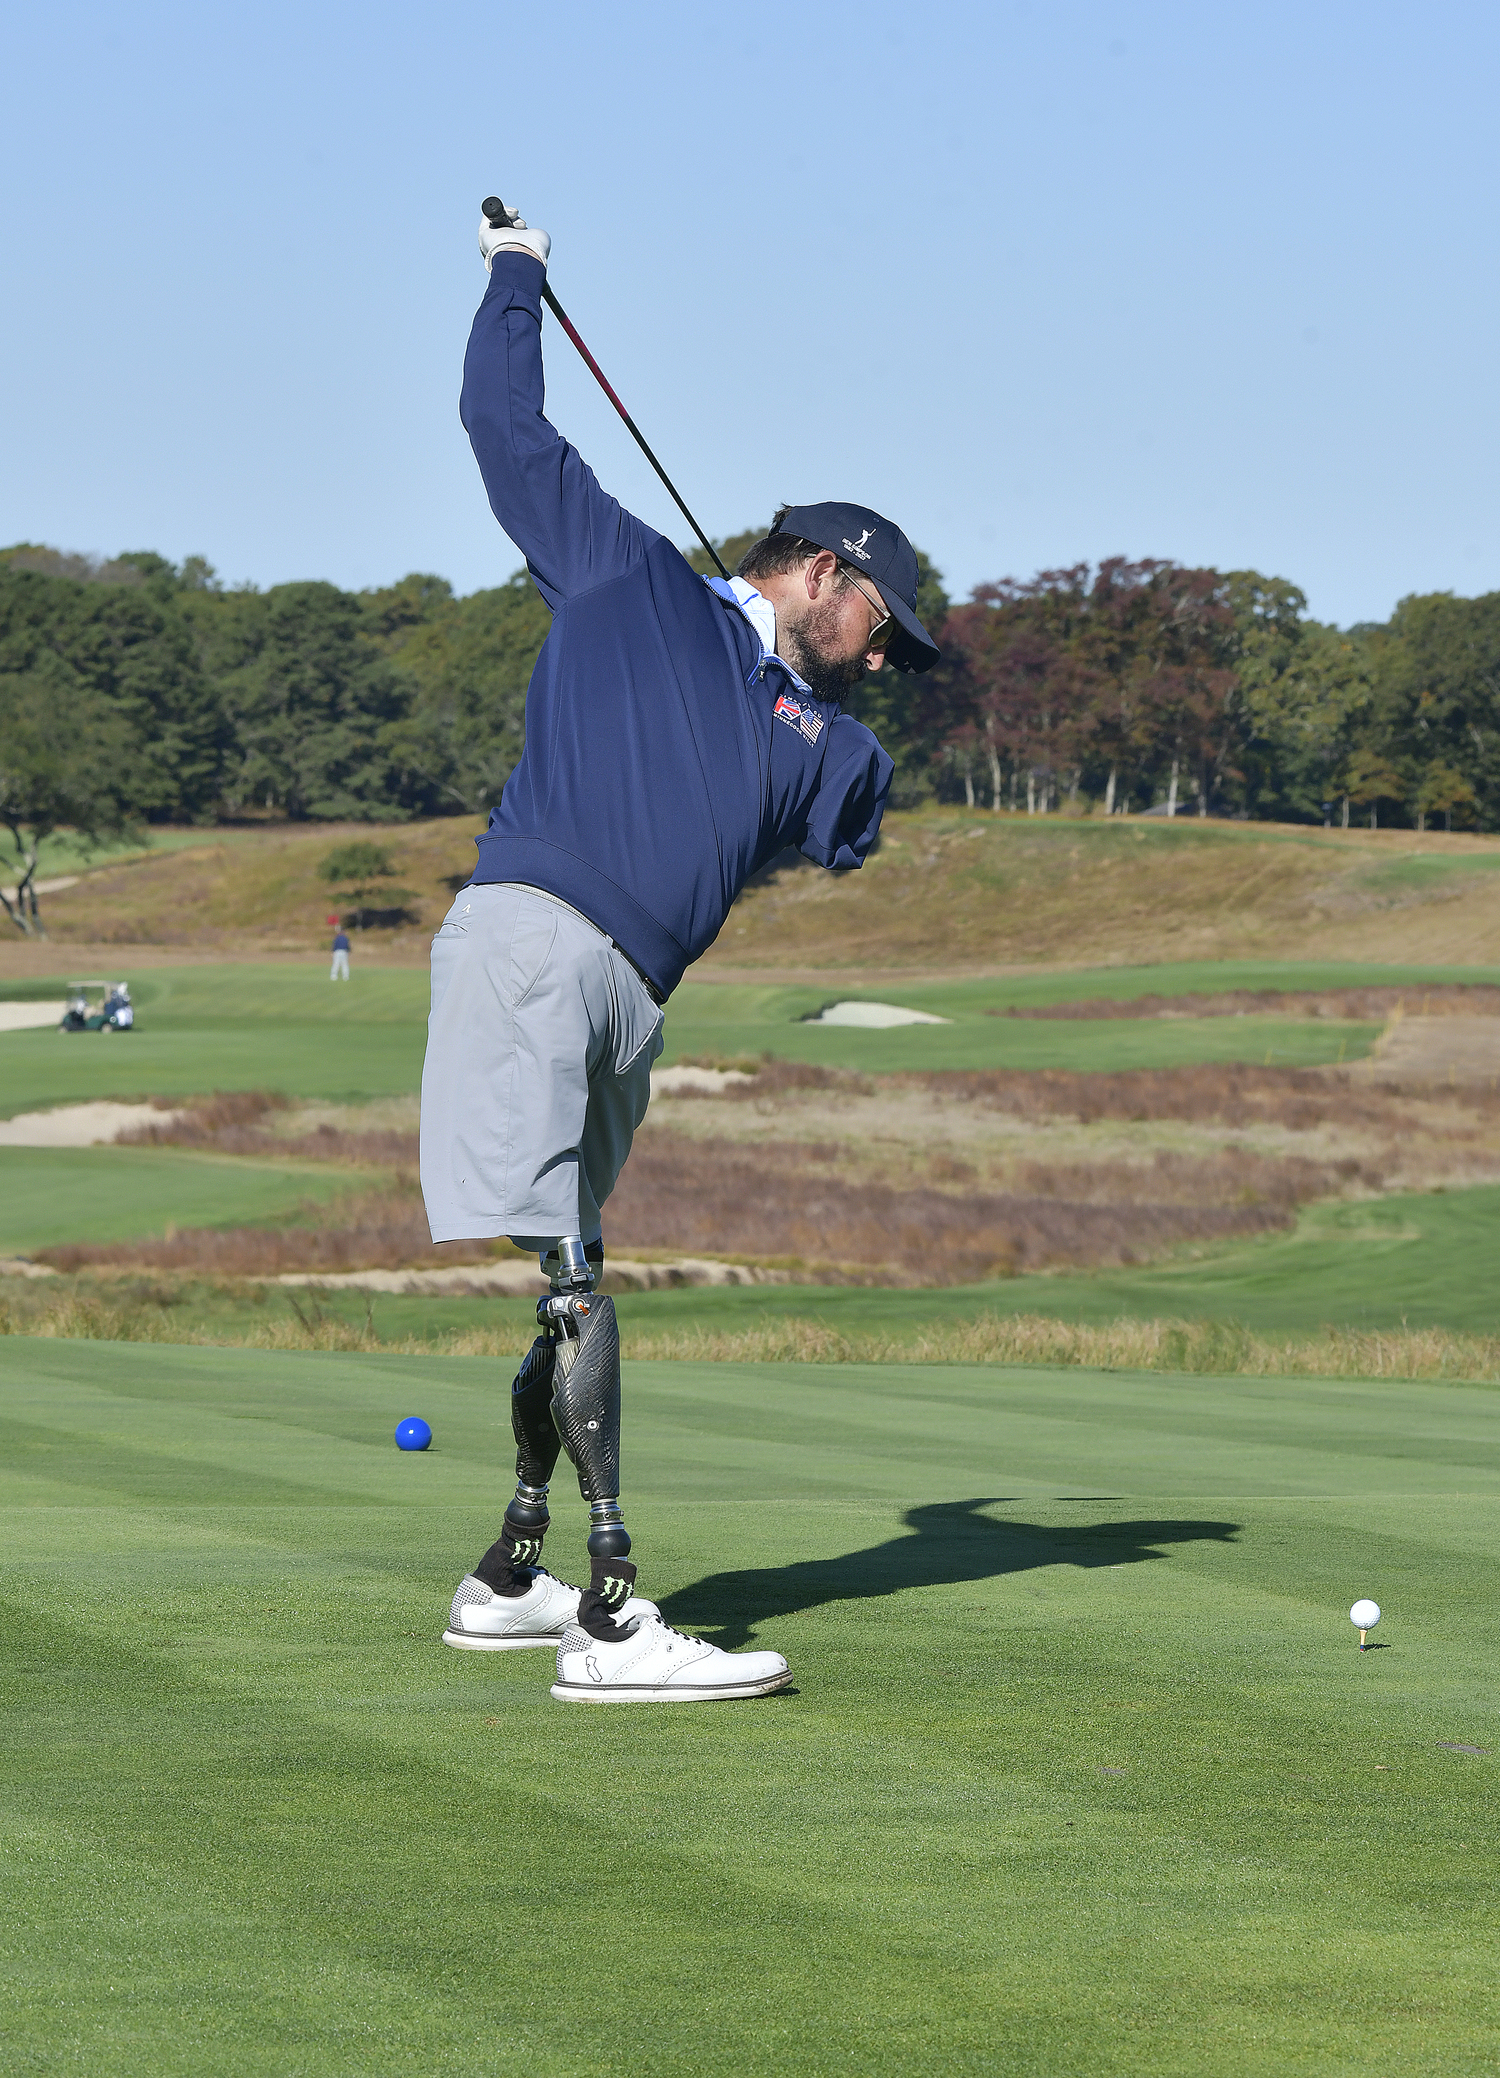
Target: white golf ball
<point>1365,1615</point>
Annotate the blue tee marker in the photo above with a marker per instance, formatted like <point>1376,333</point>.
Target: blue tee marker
<point>413,1433</point>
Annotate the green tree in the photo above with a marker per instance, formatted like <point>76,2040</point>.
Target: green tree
<point>466,664</point>
<point>1370,778</point>
<point>1307,693</point>
<point>308,693</point>
<point>1437,692</point>
<point>66,759</point>
<point>121,630</point>
<point>1445,792</point>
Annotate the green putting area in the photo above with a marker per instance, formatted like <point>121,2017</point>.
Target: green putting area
<point>261,1026</point>
<point>1082,1770</point>
<point>55,1194</point>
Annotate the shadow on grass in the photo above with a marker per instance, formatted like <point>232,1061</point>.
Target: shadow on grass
<point>951,1542</point>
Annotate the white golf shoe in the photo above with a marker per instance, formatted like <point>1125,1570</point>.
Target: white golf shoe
<point>482,1621</point>
<point>655,1664</point>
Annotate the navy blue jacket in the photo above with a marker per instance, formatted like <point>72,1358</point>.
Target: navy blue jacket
<point>668,755</point>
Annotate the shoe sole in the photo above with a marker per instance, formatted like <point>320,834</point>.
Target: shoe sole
<point>475,1641</point>
<point>574,1692</point>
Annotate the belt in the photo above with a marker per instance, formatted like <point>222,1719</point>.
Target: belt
<point>634,965</point>
<point>642,976</point>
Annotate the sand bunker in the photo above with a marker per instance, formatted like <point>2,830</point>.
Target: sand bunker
<point>80,1125</point>
<point>29,1017</point>
<point>525,1280</point>
<point>670,1082</point>
<point>875,1017</point>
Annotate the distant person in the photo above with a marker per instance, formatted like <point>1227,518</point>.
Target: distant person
<point>340,968</point>
<point>119,1012</point>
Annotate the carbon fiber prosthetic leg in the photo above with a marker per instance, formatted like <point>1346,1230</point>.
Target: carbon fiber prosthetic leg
<point>505,1567</point>
<point>586,1412</point>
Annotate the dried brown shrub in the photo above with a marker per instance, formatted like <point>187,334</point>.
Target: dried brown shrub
<point>781,1200</point>
<point>383,1230</point>
<point>793,1203</point>
<point>205,1118</point>
<point>232,1123</point>
<point>1367,1004</point>
<point>1213,1093</point>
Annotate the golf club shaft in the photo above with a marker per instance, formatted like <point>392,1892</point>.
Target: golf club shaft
<point>497,214</point>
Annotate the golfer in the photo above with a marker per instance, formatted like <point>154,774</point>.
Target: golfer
<point>680,732</point>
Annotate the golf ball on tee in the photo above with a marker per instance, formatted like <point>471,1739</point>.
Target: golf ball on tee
<point>414,1434</point>
<point>1365,1615</point>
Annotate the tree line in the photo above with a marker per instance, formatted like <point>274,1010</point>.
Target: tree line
<point>136,690</point>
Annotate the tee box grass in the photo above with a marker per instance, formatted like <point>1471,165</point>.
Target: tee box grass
<point>1082,1770</point>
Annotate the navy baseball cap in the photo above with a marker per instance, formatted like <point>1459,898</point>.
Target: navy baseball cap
<point>882,552</point>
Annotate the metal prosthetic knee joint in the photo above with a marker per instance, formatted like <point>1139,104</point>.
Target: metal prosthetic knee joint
<point>586,1386</point>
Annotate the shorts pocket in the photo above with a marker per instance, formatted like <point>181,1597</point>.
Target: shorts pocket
<point>531,941</point>
<point>637,1018</point>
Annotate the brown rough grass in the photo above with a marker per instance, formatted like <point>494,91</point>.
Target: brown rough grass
<point>963,891</point>
<point>1365,1004</point>
<point>382,1229</point>
<point>792,1202</point>
<point>948,890</point>
<point>785,1203</point>
<point>1213,1093</point>
<point>153,1314</point>
<point>261,890</point>
<point>234,1122</point>
<point>832,1211</point>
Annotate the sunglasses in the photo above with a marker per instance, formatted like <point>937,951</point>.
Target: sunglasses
<point>884,629</point>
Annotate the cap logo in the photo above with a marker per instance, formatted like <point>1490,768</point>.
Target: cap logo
<point>857,548</point>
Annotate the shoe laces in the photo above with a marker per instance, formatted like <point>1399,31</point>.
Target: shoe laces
<point>676,1637</point>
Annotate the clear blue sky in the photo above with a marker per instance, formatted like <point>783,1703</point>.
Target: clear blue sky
<point>1042,282</point>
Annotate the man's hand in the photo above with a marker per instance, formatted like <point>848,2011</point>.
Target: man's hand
<point>512,236</point>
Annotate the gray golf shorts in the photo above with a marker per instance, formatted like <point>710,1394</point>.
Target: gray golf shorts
<point>538,1069</point>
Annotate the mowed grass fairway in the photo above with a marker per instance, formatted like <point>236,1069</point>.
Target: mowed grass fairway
<point>53,1194</point>
<point>1083,1772</point>
<point>235,1026</point>
<point>229,1027</point>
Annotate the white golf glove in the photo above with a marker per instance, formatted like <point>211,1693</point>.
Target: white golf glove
<point>513,236</point>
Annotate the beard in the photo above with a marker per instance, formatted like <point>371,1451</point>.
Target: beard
<point>812,649</point>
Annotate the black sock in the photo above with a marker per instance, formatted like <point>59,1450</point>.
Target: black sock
<point>506,1567</point>
<point>611,1584</point>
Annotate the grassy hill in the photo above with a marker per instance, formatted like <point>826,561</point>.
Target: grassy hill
<point>948,891</point>
<point>954,889</point>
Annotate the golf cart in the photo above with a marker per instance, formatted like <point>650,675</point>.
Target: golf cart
<point>98,1006</point>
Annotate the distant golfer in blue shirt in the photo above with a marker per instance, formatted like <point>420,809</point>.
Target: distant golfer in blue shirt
<point>680,732</point>
<point>340,968</point>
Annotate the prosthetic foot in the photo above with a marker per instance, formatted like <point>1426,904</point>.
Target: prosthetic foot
<point>508,1567</point>
<point>586,1412</point>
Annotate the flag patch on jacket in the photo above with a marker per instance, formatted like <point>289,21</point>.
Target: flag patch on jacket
<point>799,717</point>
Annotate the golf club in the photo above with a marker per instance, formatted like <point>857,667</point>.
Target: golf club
<point>499,217</point>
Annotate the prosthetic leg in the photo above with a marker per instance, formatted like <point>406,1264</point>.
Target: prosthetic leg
<point>567,1396</point>
<point>505,1567</point>
<point>586,1413</point>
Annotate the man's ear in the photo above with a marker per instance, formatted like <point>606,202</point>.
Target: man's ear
<point>819,572</point>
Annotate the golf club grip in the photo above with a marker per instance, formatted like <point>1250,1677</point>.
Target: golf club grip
<point>497,216</point>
